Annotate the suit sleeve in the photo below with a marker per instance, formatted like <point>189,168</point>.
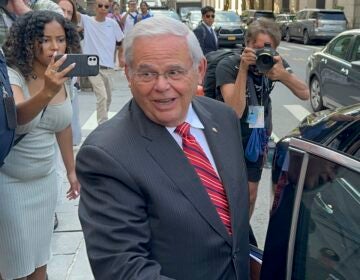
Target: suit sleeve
<point>113,216</point>
<point>200,35</point>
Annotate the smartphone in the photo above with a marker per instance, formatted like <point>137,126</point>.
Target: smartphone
<point>86,65</point>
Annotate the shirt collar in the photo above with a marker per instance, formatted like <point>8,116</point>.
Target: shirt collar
<point>191,118</point>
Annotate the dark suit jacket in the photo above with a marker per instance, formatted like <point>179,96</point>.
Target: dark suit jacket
<point>205,38</point>
<point>144,212</point>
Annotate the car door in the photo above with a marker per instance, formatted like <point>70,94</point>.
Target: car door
<point>297,28</point>
<point>335,70</point>
<point>314,233</point>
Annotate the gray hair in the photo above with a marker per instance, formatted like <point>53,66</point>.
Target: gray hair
<point>264,26</point>
<point>161,25</point>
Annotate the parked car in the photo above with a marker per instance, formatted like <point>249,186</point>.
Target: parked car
<point>183,11</point>
<point>316,24</point>
<point>228,28</point>
<point>314,229</point>
<point>164,12</point>
<point>248,16</point>
<point>193,19</point>
<point>283,20</point>
<point>333,74</point>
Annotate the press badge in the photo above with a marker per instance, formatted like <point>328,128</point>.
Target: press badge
<point>255,117</point>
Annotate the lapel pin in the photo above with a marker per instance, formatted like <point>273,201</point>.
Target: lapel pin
<point>214,129</point>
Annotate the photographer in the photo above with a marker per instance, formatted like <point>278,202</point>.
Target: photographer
<point>245,84</point>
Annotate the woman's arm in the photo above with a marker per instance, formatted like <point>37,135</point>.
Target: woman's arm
<point>64,139</point>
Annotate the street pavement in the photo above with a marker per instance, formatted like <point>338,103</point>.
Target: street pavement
<point>69,261</point>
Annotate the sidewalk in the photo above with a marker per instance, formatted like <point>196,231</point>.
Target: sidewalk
<point>69,261</point>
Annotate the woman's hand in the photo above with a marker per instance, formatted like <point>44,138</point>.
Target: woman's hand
<point>54,80</point>
<point>74,190</point>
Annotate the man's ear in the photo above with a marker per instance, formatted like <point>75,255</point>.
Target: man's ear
<point>202,70</point>
<point>127,73</point>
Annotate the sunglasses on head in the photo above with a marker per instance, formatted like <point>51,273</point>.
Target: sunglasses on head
<point>210,16</point>
<point>102,5</point>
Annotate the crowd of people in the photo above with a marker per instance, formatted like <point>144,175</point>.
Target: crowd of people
<point>166,186</point>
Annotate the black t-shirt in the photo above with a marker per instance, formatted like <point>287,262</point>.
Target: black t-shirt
<point>226,73</point>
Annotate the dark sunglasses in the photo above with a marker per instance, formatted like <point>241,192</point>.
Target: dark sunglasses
<point>209,16</point>
<point>102,5</point>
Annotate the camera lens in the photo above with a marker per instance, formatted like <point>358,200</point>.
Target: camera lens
<point>264,62</point>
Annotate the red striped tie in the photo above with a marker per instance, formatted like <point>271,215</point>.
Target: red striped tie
<point>206,172</point>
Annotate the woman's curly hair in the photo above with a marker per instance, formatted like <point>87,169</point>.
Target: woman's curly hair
<point>27,31</point>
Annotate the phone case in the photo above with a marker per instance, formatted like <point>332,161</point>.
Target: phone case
<point>86,64</point>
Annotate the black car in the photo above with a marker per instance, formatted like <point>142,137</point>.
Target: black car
<point>314,227</point>
<point>228,28</point>
<point>333,74</point>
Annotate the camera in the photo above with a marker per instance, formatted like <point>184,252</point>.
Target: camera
<point>265,58</point>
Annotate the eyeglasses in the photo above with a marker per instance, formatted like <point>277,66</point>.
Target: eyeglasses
<point>210,16</point>
<point>102,5</point>
<point>170,75</point>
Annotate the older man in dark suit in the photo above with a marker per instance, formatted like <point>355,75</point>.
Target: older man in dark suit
<point>164,188</point>
<point>205,32</point>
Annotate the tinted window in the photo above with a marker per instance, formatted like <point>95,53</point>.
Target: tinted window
<point>340,47</point>
<point>356,50</point>
<point>348,141</point>
<point>313,15</point>
<point>264,14</point>
<point>328,229</point>
<point>331,16</point>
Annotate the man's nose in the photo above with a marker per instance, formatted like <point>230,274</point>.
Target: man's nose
<point>162,83</point>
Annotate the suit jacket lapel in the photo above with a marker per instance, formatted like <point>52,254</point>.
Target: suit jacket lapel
<point>167,153</point>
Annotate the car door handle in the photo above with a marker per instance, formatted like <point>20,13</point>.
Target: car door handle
<point>324,60</point>
<point>345,71</point>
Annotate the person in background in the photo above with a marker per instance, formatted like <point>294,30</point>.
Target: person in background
<point>100,36</point>
<point>28,180</point>
<point>161,198</point>
<point>241,83</point>
<point>10,9</point>
<point>116,15</point>
<point>205,32</point>
<point>129,17</point>
<point>69,9</point>
<point>144,8</point>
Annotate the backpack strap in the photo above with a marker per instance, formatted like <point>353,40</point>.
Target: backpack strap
<point>252,98</point>
<point>17,140</point>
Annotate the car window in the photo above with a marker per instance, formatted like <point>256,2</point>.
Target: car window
<point>348,140</point>
<point>328,230</point>
<point>195,16</point>
<point>331,16</point>
<point>226,17</point>
<point>313,15</point>
<point>340,47</point>
<point>264,14</point>
<point>356,50</point>
<point>301,15</point>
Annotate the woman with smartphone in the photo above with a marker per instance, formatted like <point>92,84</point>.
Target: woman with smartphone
<point>28,189</point>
